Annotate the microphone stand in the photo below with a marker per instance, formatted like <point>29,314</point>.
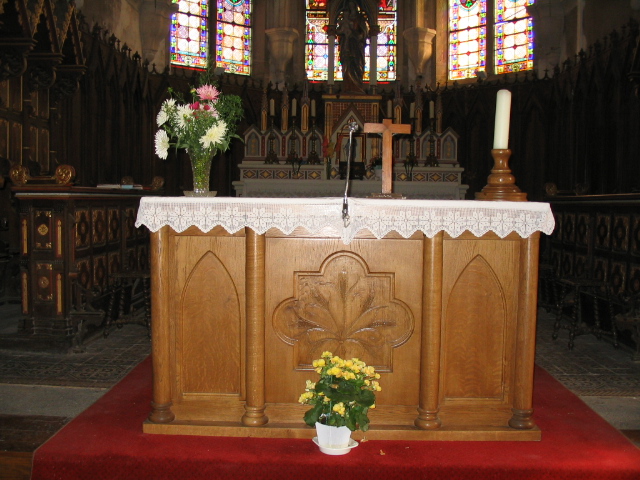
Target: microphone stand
<point>353,126</point>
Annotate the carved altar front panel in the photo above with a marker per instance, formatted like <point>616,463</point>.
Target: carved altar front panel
<point>208,286</point>
<point>448,322</point>
<point>355,301</point>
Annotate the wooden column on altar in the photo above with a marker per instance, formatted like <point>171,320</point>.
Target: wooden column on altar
<point>237,316</point>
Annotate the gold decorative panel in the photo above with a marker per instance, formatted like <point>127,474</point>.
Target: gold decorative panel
<point>566,264</point>
<point>143,257</point>
<point>346,309</point>
<point>129,223</point>
<point>583,229</point>
<point>580,265</point>
<point>44,230</point>
<point>603,231</point>
<point>617,277</point>
<point>82,228</point>
<point>620,233</point>
<point>99,227</point>
<point>114,224</point>
<point>601,269</point>
<point>634,279</point>
<point>568,228</point>
<point>115,263</point>
<point>84,272</point>
<point>45,281</point>
<point>99,270</point>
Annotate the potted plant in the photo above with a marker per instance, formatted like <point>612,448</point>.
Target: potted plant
<point>340,400</point>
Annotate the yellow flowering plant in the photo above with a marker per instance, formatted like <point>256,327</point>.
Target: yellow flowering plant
<point>343,395</point>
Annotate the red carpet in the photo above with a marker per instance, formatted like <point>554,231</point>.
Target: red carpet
<point>106,442</point>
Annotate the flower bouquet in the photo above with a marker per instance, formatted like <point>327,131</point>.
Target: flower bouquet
<point>343,395</point>
<point>203,127</point>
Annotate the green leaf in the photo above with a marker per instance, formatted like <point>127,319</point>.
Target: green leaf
<point>313,414</point>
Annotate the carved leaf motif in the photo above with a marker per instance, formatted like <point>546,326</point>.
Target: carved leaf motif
<point>345,309</point>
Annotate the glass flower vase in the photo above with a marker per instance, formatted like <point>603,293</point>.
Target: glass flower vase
<point>201,168</point>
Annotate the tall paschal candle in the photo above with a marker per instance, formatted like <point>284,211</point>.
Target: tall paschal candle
<point>503,111</point>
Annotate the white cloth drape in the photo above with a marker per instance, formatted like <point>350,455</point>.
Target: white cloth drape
<point>378,216</point>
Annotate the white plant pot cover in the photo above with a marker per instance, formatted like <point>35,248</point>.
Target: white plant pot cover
<point>333,437</point>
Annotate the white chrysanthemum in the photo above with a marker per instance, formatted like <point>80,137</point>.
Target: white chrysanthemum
<point>162,144</point>
<point>170,102</point>
<point>214,134</point>
<point>182,112</point>
<point>162,117</point>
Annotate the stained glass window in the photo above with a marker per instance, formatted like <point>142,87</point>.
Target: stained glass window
<point>233,36</point>
<point>189,36</point>
<point>513,36</point>
<point>188,39</point>
<point>476,24</point>
<point>317,42</point>
<point>467,38</point>
<point>387,41</point>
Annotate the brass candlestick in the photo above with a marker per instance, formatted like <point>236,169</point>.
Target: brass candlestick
<point>501,184</point>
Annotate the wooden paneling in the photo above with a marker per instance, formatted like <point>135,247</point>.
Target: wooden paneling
<point>352,300</point>
<point>448,322</point>
<point>68,239</point>
<point>606,244</point>
<point>208,285</point>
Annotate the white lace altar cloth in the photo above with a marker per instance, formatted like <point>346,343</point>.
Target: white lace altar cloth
<point>378,216</point>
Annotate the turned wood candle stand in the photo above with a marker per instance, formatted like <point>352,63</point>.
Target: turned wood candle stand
<point>501,184</point>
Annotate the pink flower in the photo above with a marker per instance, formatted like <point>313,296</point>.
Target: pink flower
<point>207,106</point>
<point>208,92</point>
<point>195,106</point>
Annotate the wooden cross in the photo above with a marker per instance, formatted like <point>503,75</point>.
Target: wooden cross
<point>387,129</point>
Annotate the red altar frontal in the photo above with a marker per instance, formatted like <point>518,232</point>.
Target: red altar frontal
<point>440,296</point>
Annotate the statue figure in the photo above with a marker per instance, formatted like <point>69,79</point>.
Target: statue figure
<point>352,30</point>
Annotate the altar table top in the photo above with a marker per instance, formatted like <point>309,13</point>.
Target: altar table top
<point>377,216</point>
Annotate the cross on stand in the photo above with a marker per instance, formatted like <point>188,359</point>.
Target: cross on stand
<point>387,129</point>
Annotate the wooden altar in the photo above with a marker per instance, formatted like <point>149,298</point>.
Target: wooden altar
<point>446,315</point>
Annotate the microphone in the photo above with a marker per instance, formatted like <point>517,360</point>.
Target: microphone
<point>353,126</point>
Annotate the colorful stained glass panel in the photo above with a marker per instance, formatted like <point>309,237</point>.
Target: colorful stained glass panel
<point>233,36</point>
<point>317,43</point>
<point>189,35</point>
<point>387,43</point>
<point>513,36</point>
<point>467,38</point>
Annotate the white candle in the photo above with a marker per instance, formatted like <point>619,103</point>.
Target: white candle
<point>294,103</point>
<point>313,108</point>
<point>503,111</point>
<point>431,109</point>
<point>412,110</point>
<point>389,109</point>
<point>272,107</point>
